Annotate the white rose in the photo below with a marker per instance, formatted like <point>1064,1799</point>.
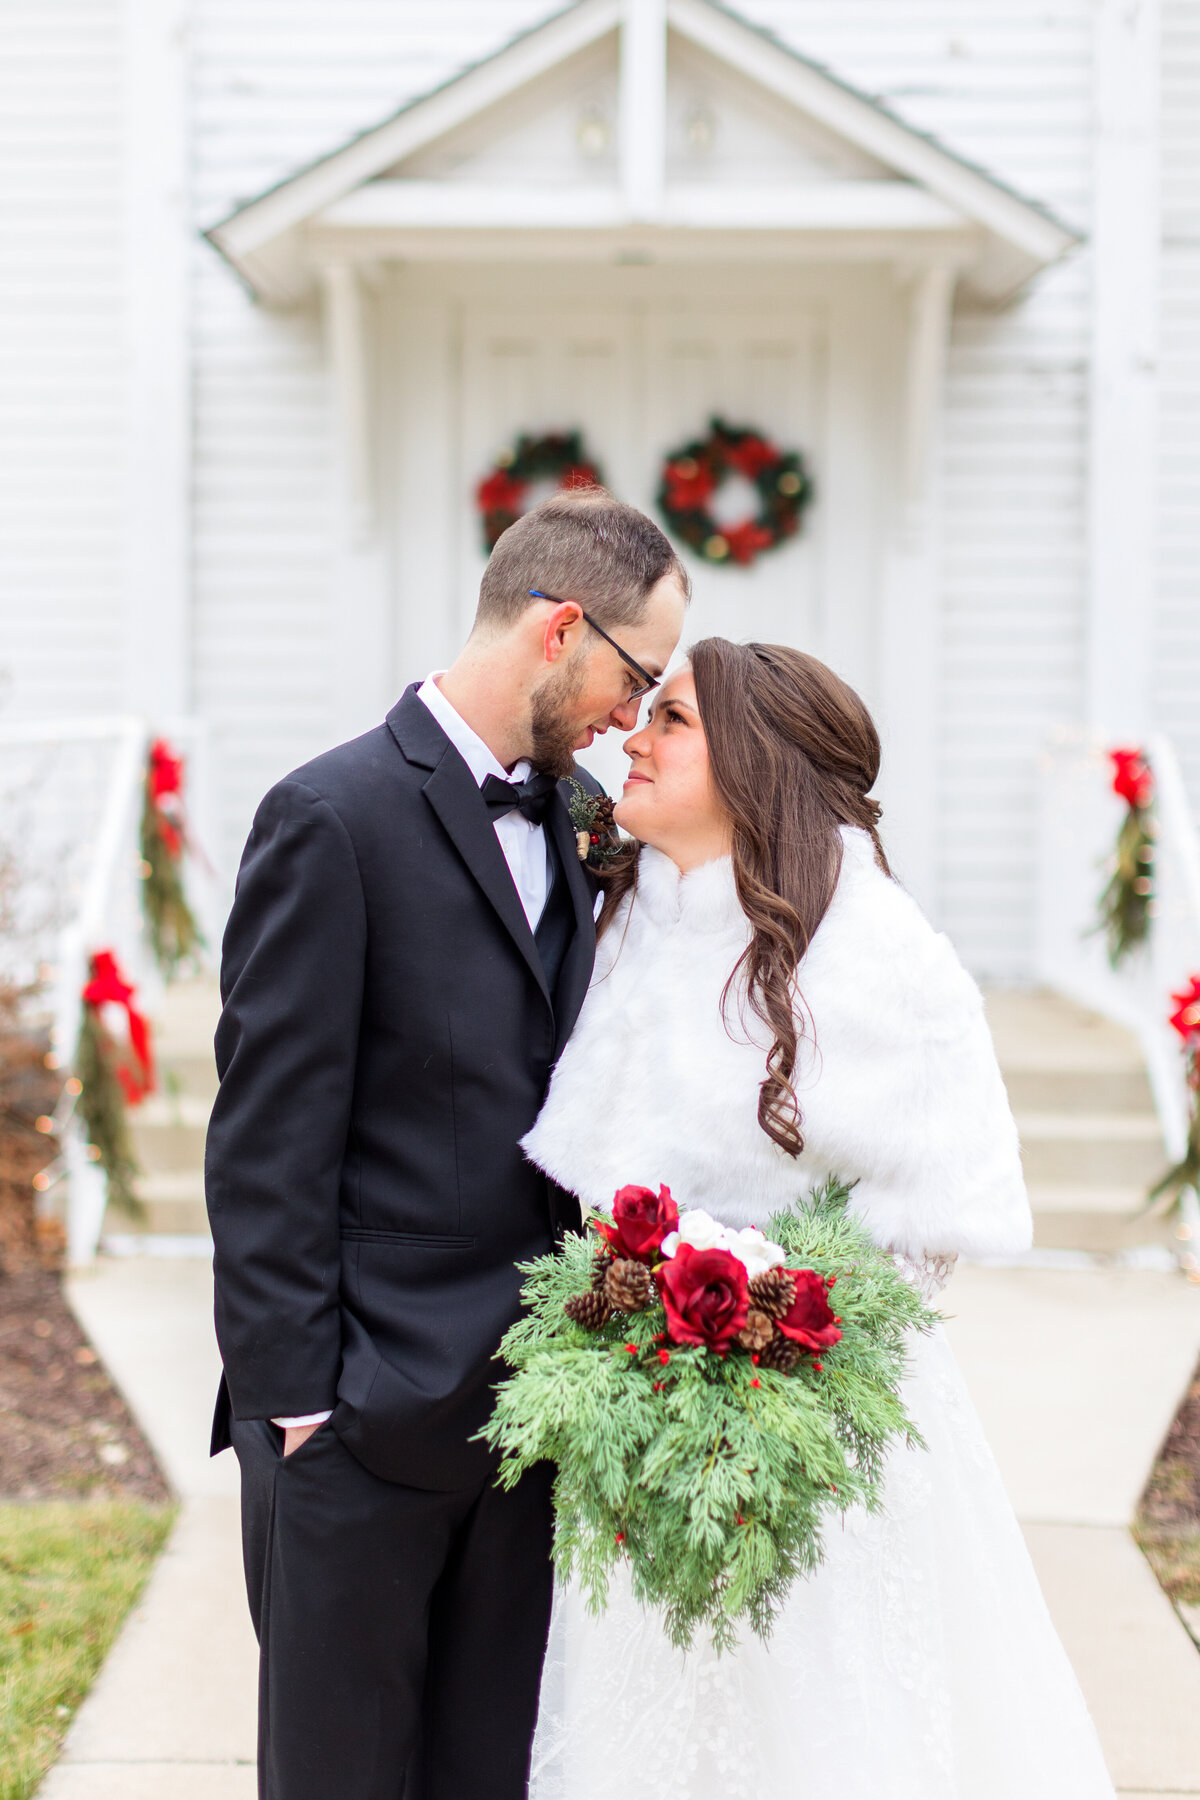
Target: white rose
<point>702,1231</point>
<point>669,1245</point>
<point>754,1251</point>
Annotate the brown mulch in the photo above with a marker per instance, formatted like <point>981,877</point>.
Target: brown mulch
<point>1168,1527</point>
<point>65,1431</point>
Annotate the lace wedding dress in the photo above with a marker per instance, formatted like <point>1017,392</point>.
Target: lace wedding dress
<point>919,1661</point>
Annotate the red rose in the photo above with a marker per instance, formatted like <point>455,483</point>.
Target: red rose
<point>641,1220</point>
<point>808,1321</point>
<point>705,1296</point>
<point>1132,779</point>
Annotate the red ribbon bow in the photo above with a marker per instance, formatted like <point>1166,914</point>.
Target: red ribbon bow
<point>108,986</point>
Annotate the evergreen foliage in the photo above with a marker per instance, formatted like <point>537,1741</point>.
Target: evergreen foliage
<point>712,1476</point>
<point>170,922</point>
<point>102,1108</point>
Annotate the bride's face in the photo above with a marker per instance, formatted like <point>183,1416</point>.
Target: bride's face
<point>669,800</point>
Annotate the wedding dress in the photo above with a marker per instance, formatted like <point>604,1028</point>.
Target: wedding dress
<point>919,1662</point>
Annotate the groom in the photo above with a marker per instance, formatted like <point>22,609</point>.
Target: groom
<point>408,950</point>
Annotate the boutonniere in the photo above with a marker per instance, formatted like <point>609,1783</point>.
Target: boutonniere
<point>596,836</point>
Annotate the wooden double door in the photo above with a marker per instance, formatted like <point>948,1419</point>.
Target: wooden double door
<point>638,380</point>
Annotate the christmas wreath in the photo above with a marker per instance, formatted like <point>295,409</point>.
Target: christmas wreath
<point>706,1406</point>
<point>502,495</point>
<point>692,475</point>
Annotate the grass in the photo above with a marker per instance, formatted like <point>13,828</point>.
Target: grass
<point>1174,1555</point>
<point>69,1572</point>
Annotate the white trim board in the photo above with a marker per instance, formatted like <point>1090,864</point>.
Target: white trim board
<point>266,240</point>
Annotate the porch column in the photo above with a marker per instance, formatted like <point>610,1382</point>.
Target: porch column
<point>642,124</point>
<point>360,634</point>
<point>909,637</point>
<point>1125,239</point>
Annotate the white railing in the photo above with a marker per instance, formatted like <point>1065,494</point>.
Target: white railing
<point>71,794</point>
<point>1079,820</point>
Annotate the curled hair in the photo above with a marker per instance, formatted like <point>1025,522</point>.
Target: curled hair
<point>793,754</point>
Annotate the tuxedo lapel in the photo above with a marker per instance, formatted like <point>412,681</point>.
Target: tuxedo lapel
<point>581,951</point>
<point>452,792</point>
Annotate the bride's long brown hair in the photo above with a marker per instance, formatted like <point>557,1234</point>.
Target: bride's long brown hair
<point>793,755</point>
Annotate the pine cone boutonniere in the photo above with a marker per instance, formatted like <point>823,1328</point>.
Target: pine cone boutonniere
<point>596,836</point>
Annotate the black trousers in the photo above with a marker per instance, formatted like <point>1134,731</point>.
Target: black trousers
<point>401,1631</point>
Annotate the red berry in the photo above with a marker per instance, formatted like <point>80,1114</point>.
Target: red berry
<point>595,837</point>
<point>837,1318</point>
<point>620,1537</point>
<point>831,1281</point>
<point>740,1519</point>
<point>756,1359</point>
<point>632,1349</point>
<point>756,1382</point>
<point>664,1357</point>
<point>819,1367</point>
<point>658,1387</point>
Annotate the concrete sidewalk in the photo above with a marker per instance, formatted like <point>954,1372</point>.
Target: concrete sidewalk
<point>1076,1373</point>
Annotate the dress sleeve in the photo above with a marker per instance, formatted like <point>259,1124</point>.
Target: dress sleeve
<point>915,1102</point>
<point>292,984</point>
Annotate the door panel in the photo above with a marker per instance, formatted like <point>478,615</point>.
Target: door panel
<point>752,368</point>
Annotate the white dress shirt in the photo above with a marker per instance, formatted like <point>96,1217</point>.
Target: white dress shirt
<point>523,843</point>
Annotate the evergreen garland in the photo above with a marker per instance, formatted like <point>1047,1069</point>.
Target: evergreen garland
<point>1186,1173</point>
<point>711,1476</point>
<point>174,933</point>
<point>102,1106</point>
<point>1126,905</point>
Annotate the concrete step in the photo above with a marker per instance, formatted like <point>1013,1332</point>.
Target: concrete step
<point>1091,1092</point>
<point>170,1202</point>
<point>1086,1150</point>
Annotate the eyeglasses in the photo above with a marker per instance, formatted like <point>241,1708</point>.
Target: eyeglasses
<point>646,680</point>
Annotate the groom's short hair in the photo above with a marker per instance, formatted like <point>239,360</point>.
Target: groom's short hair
<point>581,545</point>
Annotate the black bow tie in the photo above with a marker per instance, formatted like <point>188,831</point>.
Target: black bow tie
<point>530,797</point>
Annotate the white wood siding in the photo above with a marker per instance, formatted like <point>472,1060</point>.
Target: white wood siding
<point>1005,82</point>
<point>62,356</point>
<point>1177,661</point>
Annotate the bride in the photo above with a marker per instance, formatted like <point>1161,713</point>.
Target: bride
<point>768,1007</point>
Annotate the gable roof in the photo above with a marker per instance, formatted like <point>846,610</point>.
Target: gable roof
<point>929,187</point>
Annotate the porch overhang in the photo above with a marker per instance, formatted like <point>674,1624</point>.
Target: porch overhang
<point>899,195</point>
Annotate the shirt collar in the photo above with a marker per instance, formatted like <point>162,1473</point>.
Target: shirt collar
<point>468,743</point>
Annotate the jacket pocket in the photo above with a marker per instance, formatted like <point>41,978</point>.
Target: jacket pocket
<point>430,1240</point>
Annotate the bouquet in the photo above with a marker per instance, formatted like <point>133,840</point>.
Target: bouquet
<point>706,1405</point>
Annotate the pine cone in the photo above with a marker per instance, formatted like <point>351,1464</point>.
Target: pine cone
<point>627,1286</point>
<point>772,1292</point>
<point>602,1262</point>
<point>590,1310</point>
<point>780,1354</point>
<point>757,1332</point>
<point>602,815</point>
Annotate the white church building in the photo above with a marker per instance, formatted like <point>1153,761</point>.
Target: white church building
<point>286,277</point>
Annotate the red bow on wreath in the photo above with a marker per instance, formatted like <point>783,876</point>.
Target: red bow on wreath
<point>108,987</point>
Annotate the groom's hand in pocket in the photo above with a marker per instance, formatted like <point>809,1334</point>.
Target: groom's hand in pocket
<point>295,1435</point>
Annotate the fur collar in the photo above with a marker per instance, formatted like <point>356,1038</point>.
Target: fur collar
<point>898,1084</point>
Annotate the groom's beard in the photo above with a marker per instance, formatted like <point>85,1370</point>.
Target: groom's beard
<point>553,728</point>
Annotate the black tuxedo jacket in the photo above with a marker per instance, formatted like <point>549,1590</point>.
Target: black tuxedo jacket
<point>387,1038</point>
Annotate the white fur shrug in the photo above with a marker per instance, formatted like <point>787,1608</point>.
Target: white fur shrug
<point>901,1092</point>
